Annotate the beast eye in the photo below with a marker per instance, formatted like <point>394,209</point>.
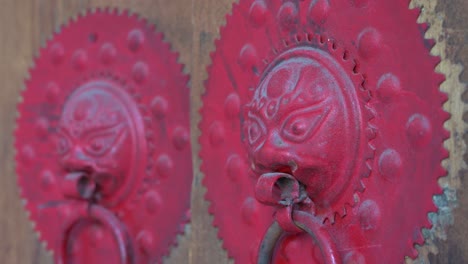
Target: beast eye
<point>99,145</point>
<point>63,144</point>
<point>304,124</point>
<point>255,130</point>
<point>299,127</point>
<point>254,133</point>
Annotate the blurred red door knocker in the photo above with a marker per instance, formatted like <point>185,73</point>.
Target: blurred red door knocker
<point>102,142</point>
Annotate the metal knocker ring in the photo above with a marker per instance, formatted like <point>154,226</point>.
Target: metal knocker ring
<point>308,224</point>
<point>119,232</point>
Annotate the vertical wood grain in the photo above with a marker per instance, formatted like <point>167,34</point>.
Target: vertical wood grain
<point>207,17</point>
<point>455,29</point>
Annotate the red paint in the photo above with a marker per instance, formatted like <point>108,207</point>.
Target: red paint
<point>336,101</point>
<point>104,159</point>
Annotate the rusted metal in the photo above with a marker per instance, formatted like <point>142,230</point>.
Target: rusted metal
<point>329,111</point>
<point>103,151</point>
<point>288,196</point>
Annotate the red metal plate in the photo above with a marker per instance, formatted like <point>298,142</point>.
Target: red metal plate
<point>339,95</point>
<point>103,152</point>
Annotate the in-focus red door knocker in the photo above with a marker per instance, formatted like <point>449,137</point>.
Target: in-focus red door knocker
<point>103,152</point>
<point>322,132</point>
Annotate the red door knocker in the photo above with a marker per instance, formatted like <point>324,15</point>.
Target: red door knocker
<point>322,132</point>
<point>102,139</point>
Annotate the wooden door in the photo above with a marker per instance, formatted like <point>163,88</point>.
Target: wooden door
<point>191,26</point>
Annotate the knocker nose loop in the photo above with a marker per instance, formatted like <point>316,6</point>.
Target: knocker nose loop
<point>79,185</point>
<point>286,193</point>
<point>278,189</point>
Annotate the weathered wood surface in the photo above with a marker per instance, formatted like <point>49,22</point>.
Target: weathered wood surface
<point>455,35</point>
<point>191,26</point>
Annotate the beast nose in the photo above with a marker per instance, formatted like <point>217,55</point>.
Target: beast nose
<point>76,160</point>
<point>274,156</point>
